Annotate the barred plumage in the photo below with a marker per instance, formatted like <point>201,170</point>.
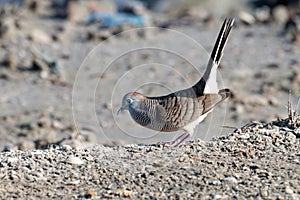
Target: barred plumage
<point>184,109</point>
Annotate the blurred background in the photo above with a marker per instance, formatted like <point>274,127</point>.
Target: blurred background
<point>65,65</point>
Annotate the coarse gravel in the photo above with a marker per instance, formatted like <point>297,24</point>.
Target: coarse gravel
<point>259,160</point>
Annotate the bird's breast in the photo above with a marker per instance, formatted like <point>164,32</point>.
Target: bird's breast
<point>152,117</point>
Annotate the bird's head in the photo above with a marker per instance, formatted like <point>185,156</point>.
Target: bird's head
<point>131,99</point>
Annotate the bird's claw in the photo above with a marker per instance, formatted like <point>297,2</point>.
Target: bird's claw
<point>178,142</point>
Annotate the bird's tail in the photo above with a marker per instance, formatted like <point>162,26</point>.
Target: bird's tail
<point>208,83</point>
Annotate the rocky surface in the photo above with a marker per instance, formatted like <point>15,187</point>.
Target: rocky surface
<point>257,161</point>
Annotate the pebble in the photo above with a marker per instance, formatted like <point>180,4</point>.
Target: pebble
<point>44,74</point>
<point>231,180</point>
<point>73,182</point>
<point>264,192</point>
<point>183,158</point>
<point>289,190</point>
<point>239,108</point>
<point>12,159</point>
<point>40,36</point>
<point>123,193</point>
<point>263,14</point>
<point>7,27</point>
<point>57,124</point>
<point>280,14</point>
<point>74,160</point>
<point>39,65</point>
<point>66,147</point>
<point>5,76</point>
<point>11,61</point>
<point>89,194</point>
<point>218,196</point>
<point>273,101</point>
<point>25,145</point>
<point>214,182</point>
<point>246,18</point>
<point>291,137</point>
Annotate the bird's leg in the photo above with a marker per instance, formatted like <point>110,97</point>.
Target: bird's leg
<point>181,140</point>
<point>178,141</point>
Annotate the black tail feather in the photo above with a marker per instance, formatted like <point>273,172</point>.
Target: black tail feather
<point>215,56</point>
<point>217,52</point>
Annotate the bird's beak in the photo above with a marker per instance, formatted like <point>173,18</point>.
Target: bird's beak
<point>120,110</point>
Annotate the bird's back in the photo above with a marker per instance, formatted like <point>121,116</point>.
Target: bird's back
<point>176,110</point>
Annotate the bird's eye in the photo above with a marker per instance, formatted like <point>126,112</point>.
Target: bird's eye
<point>129,100</point>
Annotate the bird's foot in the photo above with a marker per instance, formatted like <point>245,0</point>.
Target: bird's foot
<point>180,141</point>
<point>166,143</point>
<point>185,143</point>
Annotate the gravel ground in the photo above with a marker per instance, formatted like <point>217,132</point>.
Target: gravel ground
<point>257,161</point>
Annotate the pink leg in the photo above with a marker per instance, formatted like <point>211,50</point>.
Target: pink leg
<point>178,141</point>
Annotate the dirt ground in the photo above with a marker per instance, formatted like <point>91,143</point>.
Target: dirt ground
<point>257,161</point>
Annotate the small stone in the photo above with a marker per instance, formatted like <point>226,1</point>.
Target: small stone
<point>239,108</point>
<point>288,190</point>
<point>214,182</point>
<point>273,101</point>
<point>33,5</point>
<point>7,27</point>
<point>246,18</point>
<point>107,106</point>
<point>123,193</point>
<point>264,192</point>
<point>90,194</point>
<point>11,61</point>
<point>10,147</point>
<point>12,159</point>
<point>38,35</point>
<point>74,160</point>
<point>57,124</point>
<point>158,163</point>
<point>74,182</point>
<point>26,145</point>
<point>183,158</point>
<point>217,196</point>
<point>44,74</point>
<point>66,147</point>
<point>280,14</point>
<point>290,136</point>
<point>273,65</point>
<point>108,195</point>
<point>231,180</point>
<point>39,65</point>
<point>5,76</point>
<point>263,14</point>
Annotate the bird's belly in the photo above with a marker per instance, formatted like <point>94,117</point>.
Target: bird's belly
<point>191,126</point>
<point>159,126</point>
<point>170,127</point>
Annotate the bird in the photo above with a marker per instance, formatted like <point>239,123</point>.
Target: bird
<point>183,109</point>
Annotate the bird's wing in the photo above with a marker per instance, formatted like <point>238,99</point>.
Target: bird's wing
<point>209,101</point>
